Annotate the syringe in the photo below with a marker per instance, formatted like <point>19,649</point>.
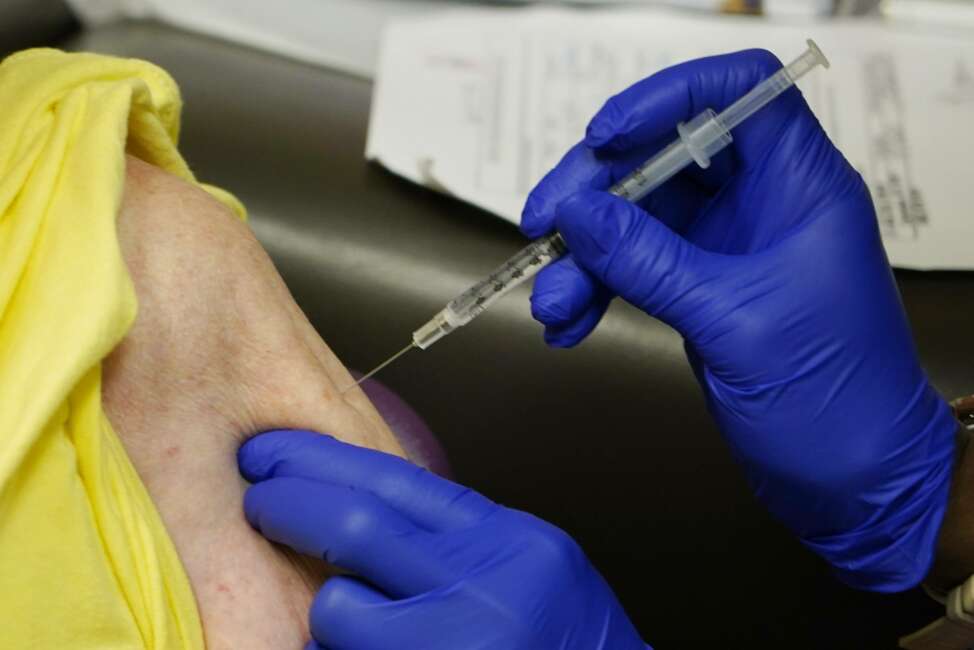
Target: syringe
<point>698,141</point>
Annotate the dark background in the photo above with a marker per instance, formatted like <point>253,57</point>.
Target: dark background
<point>610,441</point>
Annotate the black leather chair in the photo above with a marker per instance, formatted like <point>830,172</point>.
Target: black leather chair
<point>610,440</point>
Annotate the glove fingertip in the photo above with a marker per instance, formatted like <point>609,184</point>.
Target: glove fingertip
<point>533,219</point>
<point>596,136</point>
<point>252,503</point>
<point>606,128</point>
<point>562,293</point>
<point>555,337</point>
<point>571,334</point>
<point>252,462</point>
<point>336,611</point>
<point>534,230</point>
<point>602,128</point>
<point>260,457</point>
<point>547,310</point>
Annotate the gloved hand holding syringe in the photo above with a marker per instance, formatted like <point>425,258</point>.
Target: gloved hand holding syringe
<point>698,141</point>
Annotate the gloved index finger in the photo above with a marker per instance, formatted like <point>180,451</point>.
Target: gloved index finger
<point>430,501</point>
<point>578,169</point>
<point>651,109</point>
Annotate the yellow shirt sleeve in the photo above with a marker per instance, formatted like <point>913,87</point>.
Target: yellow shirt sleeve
<point>85,561</point>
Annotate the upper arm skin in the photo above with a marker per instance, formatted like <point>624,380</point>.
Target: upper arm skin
<point>219,352</point>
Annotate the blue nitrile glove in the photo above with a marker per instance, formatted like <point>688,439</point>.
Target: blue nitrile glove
<point>771,267</point>
<point>439,565</point>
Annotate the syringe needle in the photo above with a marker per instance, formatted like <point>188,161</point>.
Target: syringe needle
<point>380,367</point>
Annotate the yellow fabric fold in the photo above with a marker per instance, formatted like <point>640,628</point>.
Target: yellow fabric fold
<point>85,561</point>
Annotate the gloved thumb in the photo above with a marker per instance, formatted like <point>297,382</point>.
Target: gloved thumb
<point>637,257</point>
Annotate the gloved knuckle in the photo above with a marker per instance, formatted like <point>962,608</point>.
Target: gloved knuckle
<point>754,330</point>
<point>359,523</point>
<point>627,247</point>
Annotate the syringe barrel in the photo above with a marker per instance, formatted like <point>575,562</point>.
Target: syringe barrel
<point>654,172</point>
<point>475,300</point>
<point>760,95</point>
<point>699,140</point>
<point>512,273</point>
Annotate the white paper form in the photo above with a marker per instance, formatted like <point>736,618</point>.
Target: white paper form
<point>480,104</point>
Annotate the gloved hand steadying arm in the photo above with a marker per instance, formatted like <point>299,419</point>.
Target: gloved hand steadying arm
<point>439,565</point>
<point>771,267</point>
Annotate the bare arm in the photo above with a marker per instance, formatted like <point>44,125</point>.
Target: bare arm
<point>219,352</point>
